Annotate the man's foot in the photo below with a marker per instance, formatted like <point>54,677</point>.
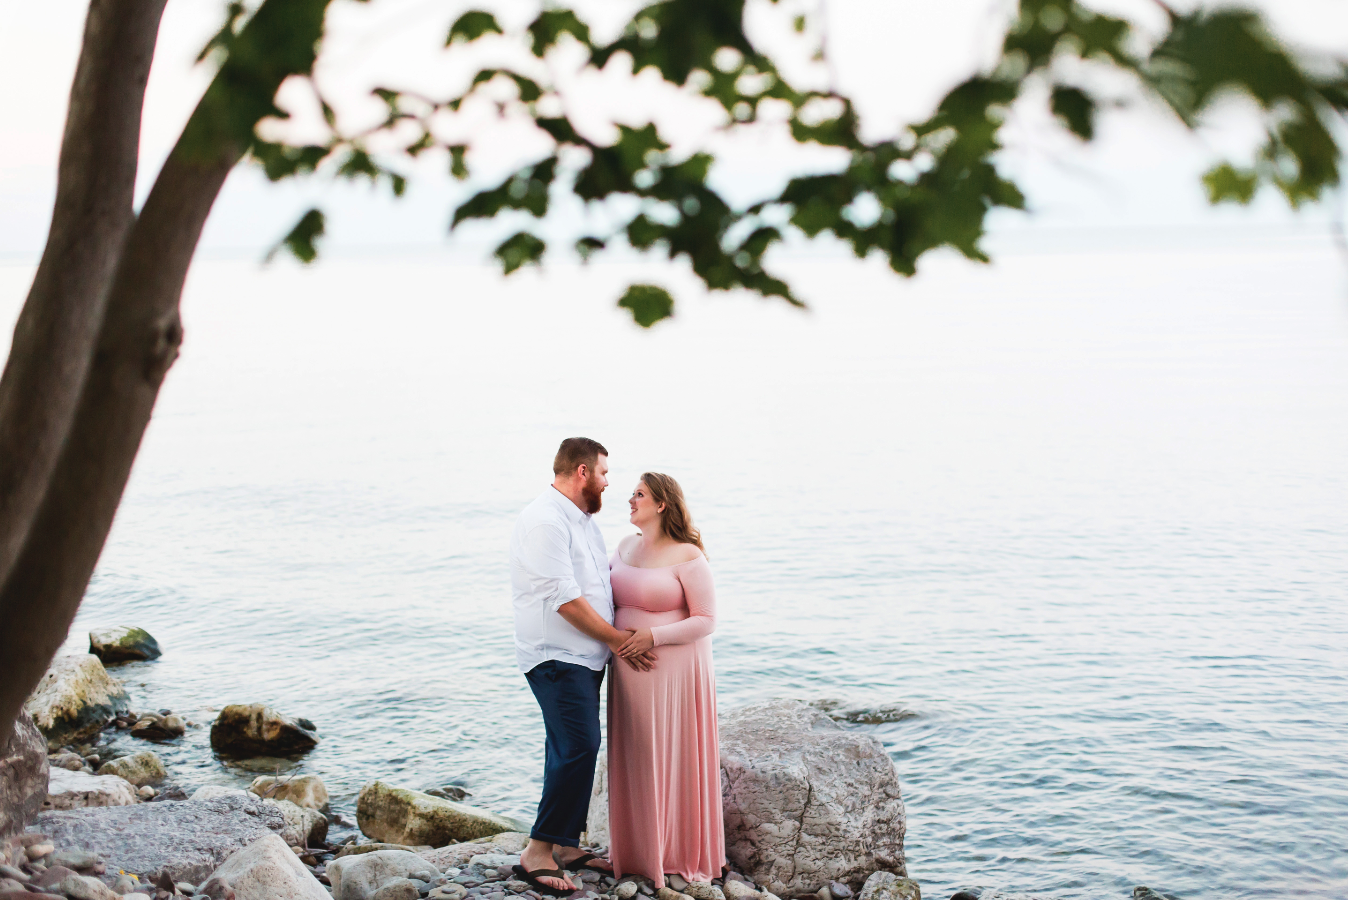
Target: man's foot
<point>538,856</point>
<point>574,857</point>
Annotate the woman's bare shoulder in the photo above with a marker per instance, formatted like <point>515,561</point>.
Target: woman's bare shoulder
<point>686,553</point>
<point>628,543</point>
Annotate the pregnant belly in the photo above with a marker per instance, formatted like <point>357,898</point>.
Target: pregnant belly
<point>630,618</point>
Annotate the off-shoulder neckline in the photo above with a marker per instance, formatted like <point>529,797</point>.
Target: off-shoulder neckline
<point>670,566</point>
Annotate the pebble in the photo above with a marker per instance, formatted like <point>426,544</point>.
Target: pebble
<point>701,890</point>
<point>124,885</point>
<point>37,851</point>
<point>647,890</point>
<point>186,887</point>
<point>676,881</point>
<point>518,887</point>
<point>627,890</point>
<point>11,872</point>
<point>839,890</point>
<point>739,890</point>
<point>145,792</point>
<point>447,892</point>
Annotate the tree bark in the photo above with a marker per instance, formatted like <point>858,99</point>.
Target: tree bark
<point>54,338</point>
<point>137,343</point>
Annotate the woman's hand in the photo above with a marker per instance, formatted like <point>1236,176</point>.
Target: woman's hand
<point>639,643</point>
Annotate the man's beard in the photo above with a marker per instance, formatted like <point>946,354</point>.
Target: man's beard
<point>593,494</point>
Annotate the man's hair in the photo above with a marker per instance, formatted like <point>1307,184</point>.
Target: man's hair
<point>576,452</point>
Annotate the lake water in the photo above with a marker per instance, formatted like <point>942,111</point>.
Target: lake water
<point>1083,512</point>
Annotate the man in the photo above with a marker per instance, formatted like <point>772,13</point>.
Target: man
<point>563,638</point>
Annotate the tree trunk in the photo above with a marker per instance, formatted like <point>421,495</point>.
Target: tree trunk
<point>54,338</point>
<point>137,343</point>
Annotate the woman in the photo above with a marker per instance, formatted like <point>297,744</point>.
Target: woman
<point>663,752</point>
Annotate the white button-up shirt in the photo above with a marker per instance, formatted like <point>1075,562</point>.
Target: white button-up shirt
<point>556,555</point>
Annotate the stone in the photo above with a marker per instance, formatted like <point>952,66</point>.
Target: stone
<point>356,849</point>
<point>75,699</point>
<point>510,841</point>
<point>39,850</point>
<point>140,768</point>
<point>302,790</point>
<point>257,730</point>
<point>702,890</point>
<point>82,861</point>
<point>448,892</point>
<point>402,816</point>
<point>824,893</point>
<point>807,802</point>
<point>154,727</point>
<point>626,891</point>
<point>668,893</point>
<point>85,887</point>
<point>123,643</point>
<point>455,855</point>
<point>24,769</point>
<point>145,792</point>
<point>359,877</point>
<point>494,861</point>
<point>887,713</point>
<point>738,890</point>
<point>596,820</point>
<point>888,886</point>
<point>67,760</point>
<point>216,791</point>
<point>676,881</point>
<point>186,840</point>
<point>839,890</point>
<point>398,889</point>
<point>1142,892</point>
<point>124,885</point>
<point>303,827</point>
<point>264,870</point>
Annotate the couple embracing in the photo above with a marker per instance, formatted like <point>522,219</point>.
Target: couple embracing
<point>650,609</point>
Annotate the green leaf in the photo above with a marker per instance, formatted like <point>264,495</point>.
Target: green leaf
<point>1227,183</point>
<point>301,241</point>
<point>648,303</point>
<point>457,166</point>
<point>472,25</point>
<point>551,24</point>
<point>1076,109</point>
<point>520,249</point>
<point>588,246</point>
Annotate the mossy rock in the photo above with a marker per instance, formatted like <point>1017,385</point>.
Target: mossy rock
<point>123,643</point>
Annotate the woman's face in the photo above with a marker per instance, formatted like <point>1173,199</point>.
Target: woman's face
<point>645,512</point>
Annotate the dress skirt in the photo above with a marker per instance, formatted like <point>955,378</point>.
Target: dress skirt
<point>664,760</point>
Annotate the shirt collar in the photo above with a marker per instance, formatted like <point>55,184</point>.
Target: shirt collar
<point>569,509</point>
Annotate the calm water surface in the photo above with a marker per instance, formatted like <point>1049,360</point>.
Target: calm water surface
<point>1084,513</point>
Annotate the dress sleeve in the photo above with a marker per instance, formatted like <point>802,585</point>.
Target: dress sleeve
<point>700,594</point>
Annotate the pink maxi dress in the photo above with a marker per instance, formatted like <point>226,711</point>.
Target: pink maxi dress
<point>664,764</point>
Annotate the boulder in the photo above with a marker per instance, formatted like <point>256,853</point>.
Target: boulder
<point>75,699</point>
<point>257,730</point>
<point>888,886</point>
<point>123,643</point>
<point>510,841</point>
<point>303,827</point>
<point>401,816</point>
<point>139,768</point>
<point>302,790</point>
<point>186,841</point>
<point>358,877</point>
<point>264,870</point>
<point>216,791</point>
<point>85,887</point>
<point>77,790</point>
<point>23,776</point>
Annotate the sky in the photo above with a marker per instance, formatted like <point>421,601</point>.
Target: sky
<point>896,57</point>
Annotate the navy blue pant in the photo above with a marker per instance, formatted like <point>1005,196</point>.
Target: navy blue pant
<point>568,694</point>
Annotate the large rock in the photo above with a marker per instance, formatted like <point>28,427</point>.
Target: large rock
<point>358,877</point>
<point>455,855</point>
<point>75,699</point>
<point>303,827</point>
<point>123,644</point>
<point>139,768</point>
<point>807,802</point>
<point>77,790</point>
<point>596,821</point>
<point>401,816</point>
<point>187,840</point>
<point>257,730</point>
<point>264,870</point>
<point>23,776</point>
<point>302,790</point>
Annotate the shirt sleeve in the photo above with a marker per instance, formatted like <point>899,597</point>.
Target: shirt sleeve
<point>699,592</point>
<point>547,560</point>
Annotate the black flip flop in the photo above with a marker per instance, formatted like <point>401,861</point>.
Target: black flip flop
<point>532,879</point>
<point>582,862</point>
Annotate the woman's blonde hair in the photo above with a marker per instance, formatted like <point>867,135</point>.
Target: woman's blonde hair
<point>675,521</point>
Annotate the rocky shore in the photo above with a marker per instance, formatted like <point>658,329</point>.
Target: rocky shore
<point>813,810</point>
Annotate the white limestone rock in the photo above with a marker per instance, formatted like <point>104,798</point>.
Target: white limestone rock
<point>359,877</point>
<point>888,886</point>
<point>807,802</point>
<point>302,790</point>
<point>75,699</point>
<point>264,870</point>
<point>140,768</point>
<point>455,855</point>
<point>401,816</point>
<point>78,790</point>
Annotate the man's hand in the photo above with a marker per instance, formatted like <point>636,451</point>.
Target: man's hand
<point>639,641</point>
